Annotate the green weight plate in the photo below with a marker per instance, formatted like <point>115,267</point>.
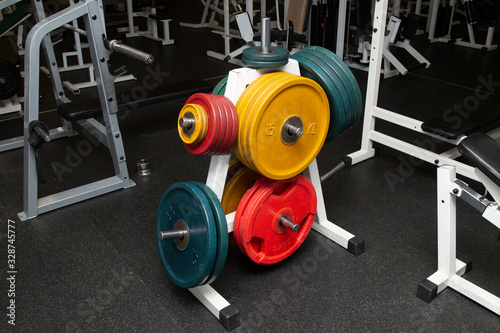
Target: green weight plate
<point>187,264</point>
<point>341,93</point>
<point>338,76</point>
<point>264,64</point>
<point>275,54</point>
<point>347,74</point>
<point>220,88</point>
<point>312,71</point>
<point>222,233</point>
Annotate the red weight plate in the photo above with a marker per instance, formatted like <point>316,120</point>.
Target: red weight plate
<point>240,211</point>
<point>213,125</point>
<point>265,241</point>
<point>227,129</point>
<point>232,124</point>
<point>222,122</point>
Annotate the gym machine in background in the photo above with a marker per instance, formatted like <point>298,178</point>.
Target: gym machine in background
<point>10,75</point>
<point>36,133</point>
<point>441,23</point>
<point>153,18</point>
<point>399,33</point>
<point>276,122</point>
<point>78,54</point>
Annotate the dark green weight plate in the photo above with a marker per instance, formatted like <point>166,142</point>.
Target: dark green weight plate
<point>311,70</point>
<point>341,94</point>
<point>275,54</point>
<point>10,80</point>
<point>222,233</point>
<point>346,76</point>
<point>190,266</point>
<point>220,88</point>
<point>263,64</point>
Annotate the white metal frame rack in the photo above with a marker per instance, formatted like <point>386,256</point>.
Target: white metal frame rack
<point>373,113</point>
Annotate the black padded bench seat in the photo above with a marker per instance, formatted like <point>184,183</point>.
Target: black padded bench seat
<point>484,153</point>
<point>454,125</point>
<point>163,93</point>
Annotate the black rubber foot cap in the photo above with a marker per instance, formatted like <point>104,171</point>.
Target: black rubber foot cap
<point>229,317</point>
<point>356,246</point>
<point>427,291</point>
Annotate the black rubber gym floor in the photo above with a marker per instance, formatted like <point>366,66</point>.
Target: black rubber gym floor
<point>94,266</point>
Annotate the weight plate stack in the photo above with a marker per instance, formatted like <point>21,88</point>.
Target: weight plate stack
<point>192,235</point>
<point>255,58</point>
<point>208,124</point>
<point>222,232</point>
<point>10,80</point>
<point>283,122</point>
<point>274,217</point>
<point>340,85</point>
<point>188,260</point>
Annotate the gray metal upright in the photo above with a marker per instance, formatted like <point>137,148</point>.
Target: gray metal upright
<point>92,14</point>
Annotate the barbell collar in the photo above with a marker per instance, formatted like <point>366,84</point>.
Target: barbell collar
<point>287,223</point>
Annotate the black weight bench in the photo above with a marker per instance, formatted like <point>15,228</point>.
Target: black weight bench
<point>455,125</point>
<point>163,93</point>
<point>484,153</point>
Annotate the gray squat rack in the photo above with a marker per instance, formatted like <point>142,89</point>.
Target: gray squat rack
<point>108,133</point>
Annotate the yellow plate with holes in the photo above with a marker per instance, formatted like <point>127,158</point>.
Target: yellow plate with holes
<point>235,189</point>
<point>192,124</point>
<point>283,124</point>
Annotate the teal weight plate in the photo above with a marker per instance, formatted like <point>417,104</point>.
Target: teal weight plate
<point>222,233</point>
<point>344,101</point>
<point>191,265</point>
<point>348,74</point>
<point>220,88</point>
<point>312,71</point>
<point>340,78</point>
<point>263,64</point>
<point>275,54</point>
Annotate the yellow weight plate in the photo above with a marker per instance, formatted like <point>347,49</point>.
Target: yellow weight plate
<point>257,99</point>
<point>235,189</point>
<point>290,97</point>
<point>192,124</point>
<point>279,79</point>
<point>241,108</point>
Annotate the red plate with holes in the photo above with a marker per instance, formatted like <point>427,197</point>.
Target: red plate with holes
<point>222,120</point>
<point>214,126</point>
<point>262,234</point>
<point>242,206</point>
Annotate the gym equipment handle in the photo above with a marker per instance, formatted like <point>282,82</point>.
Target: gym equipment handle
<point>119,47</point>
